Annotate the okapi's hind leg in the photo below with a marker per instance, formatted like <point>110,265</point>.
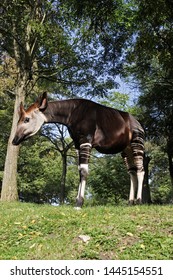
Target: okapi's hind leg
<point>84,154</point>
<point>140,177</point>
<point>134,162</point>
<point>137,145</point>
<point>129,162</point>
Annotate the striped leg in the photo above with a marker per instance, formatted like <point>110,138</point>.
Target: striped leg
<point>133,186</point>
<point>137,145</point>
<point>133,157</point>
<point>84,154</point>
<point>129,162</point>
<point>140,177</point>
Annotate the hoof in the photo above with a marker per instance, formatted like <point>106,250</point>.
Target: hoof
<point>139,201</point>
<point>79,202</point>
<point>131,202</point>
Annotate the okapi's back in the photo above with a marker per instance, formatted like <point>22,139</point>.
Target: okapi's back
<point>86,109</point>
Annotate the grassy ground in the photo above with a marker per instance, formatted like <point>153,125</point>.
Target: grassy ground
<point>29,231</point>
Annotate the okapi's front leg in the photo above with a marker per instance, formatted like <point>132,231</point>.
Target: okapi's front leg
<point>129,162</point>
<point>84,154</point>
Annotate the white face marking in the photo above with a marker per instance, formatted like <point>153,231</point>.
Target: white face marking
<point>28,125</point>
<point>36,121</point>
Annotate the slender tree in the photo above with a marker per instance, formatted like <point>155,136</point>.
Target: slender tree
<point>20,49</point>
<point>24,27</point>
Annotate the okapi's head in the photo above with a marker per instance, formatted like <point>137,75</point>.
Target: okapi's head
<point>30,120</point>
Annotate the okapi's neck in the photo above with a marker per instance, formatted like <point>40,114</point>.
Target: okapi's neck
<point>60,111</point>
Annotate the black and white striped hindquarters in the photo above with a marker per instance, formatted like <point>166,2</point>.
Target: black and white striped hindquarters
<point>133,157</point>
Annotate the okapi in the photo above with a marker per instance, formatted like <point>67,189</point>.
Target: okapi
<point>90,125</point>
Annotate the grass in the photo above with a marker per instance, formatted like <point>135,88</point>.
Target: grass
<point>30,231</point>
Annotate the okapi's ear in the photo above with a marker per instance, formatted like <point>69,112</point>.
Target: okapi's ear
<point>43,102</point>
<point>21,109</point>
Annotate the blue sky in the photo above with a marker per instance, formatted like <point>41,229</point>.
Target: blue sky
<point>128,88</point>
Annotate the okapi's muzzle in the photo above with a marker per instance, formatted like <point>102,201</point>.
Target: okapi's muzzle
<point>17,140</point>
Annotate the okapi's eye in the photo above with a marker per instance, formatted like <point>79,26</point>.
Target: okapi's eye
<point>26,120</point>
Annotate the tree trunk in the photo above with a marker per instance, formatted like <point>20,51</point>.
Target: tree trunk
<point>63,178</point>
<point>9,184</point>
<point>146,196</point>
<point>170,160</point>
<point>170,166</point>
<point>171,172</point>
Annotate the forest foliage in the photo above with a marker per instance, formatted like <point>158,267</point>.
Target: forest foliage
<point>77,49</point>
